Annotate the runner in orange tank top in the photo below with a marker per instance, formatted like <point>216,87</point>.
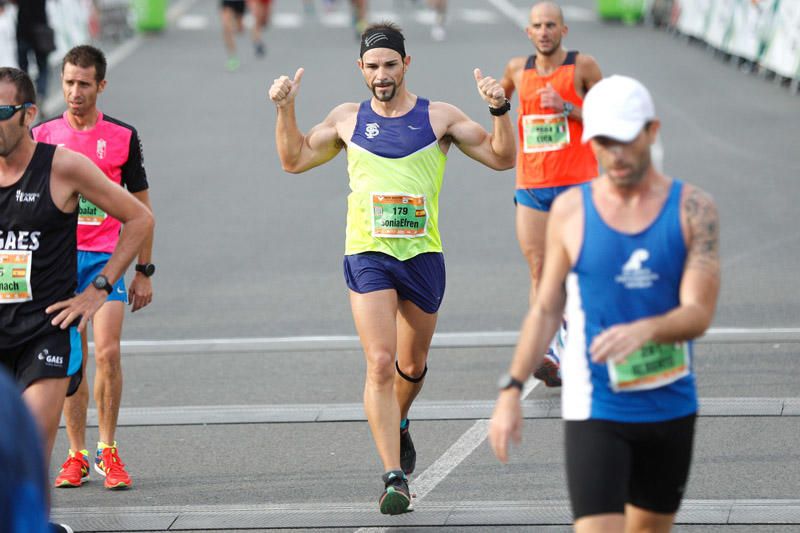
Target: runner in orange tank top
<point>551,158</point>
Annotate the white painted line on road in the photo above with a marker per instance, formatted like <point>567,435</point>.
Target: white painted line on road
<point>55,103</point>
<point>192,22</point>
<point>287,20</point>
<point>489,514</point>
<point>578,14</point>
<point>336,19</point>
<point>520,16</point>
<point>460,450</point>
<point>182,415</point>
<point>517,16</point>
<point>466,339</point>
<point>478,16</point>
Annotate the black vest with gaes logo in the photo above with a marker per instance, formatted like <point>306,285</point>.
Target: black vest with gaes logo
<point>31,222</point>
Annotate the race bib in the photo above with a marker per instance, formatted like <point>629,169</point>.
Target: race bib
<point>89,214</point>
<point>398,215</point>
<point>15,276</point>
<point>544,133</point>
<point>651,367</point>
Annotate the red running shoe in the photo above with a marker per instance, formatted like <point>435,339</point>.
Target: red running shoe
<point>74,471</point>
<point>107,463</point>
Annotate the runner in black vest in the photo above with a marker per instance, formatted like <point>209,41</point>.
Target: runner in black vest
<point>38,240</point>
<point>39,189</point>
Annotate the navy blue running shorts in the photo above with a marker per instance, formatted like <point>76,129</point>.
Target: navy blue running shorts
<point>420,280</point>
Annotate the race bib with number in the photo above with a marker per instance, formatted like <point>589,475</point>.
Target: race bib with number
<point>89,214</point>
<point>398,215</point>
<point>544,133</point>
<point>651,367</point>
<point>15,276</point>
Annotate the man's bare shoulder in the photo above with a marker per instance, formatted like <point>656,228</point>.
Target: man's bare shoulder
<point>445,111</point>
<point>699,210</point>
<point>693,197</point>
<point>343,111</point>
<point>66,162</point>
<point>585,60</point>
<point>515,64</point>
<point>567,203</point>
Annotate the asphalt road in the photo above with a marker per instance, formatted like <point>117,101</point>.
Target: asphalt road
<point>245,250</point>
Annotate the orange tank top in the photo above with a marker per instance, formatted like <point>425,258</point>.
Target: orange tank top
<point>550,150</point>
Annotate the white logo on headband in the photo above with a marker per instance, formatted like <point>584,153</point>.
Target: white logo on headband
<point>374,38</point>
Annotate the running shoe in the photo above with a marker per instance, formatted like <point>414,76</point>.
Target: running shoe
<point>233,64</point>
<point>74,471</point>
<point>438,33</point>
<point>396,497</point>
<point>108,464</point>
<point>408,455</point>
<point>60,528</point>
<point>260,49</point>
<point>550,370</point>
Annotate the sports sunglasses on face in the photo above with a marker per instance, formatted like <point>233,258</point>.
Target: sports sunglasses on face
<point>7,111</point>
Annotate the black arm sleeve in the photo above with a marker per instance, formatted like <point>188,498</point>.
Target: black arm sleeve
<point>134,177</point>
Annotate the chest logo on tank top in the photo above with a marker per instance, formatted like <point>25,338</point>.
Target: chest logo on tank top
<point>635,275</point>
<point>26,197</point>
<point>372,130</point>
<point>101,148</point>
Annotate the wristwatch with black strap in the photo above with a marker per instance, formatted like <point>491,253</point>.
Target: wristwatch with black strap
<point>148,269</point>
<point>502,110</point>
<point>507,381</point>
<point>101,282</point>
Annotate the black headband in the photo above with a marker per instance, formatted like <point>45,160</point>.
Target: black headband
<point>383,38</point>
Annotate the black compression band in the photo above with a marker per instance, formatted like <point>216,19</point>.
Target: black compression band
<point>383,38</point>
<point>409,378</point>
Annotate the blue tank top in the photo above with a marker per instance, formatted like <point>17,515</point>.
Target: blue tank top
<point>619,278</point>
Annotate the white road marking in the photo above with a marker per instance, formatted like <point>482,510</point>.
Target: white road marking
<point>496,339</point>
<point>478,16</point>
<point>287,20</point>
<point>192,22</point>
<point>519,16</point>
<point>424,483</point>
<point>336,19</point>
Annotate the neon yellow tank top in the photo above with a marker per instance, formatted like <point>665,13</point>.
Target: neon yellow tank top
<point>396,168</point>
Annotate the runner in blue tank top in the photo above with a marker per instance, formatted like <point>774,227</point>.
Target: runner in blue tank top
<point>634,258</point>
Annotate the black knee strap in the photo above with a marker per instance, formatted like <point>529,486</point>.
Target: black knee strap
<point>409,378</point>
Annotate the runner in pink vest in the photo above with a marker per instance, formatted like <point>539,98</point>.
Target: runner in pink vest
<point>115,148</point>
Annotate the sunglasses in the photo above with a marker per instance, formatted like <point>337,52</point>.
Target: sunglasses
<point>7,111</point>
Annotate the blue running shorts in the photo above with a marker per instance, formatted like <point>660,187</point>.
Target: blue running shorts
<point>89,266</point>
<point>420,279</point>
<point>541,198</point>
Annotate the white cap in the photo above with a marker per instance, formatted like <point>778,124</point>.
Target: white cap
<point>617,107</point>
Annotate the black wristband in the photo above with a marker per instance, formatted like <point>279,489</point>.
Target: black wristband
<point>502,110</point>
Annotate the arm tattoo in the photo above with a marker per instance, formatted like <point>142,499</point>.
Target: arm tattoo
<point>703,221</point>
